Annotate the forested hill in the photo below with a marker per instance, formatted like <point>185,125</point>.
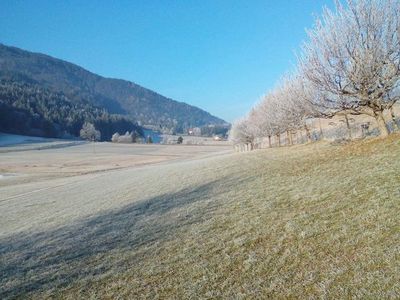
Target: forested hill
<point>114,95</point>
<point>29,109</point>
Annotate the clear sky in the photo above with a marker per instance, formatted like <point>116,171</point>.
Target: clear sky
<point>218,55</point>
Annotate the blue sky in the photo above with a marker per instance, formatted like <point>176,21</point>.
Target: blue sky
<point>218,55</point>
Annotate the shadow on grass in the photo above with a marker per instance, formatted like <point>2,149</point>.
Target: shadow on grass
<point>54,259</point>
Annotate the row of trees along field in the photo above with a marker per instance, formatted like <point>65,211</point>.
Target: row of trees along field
<point>349,65</point>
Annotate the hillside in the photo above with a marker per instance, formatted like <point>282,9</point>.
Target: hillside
<point>114,95</point>
<point>36,111</point>
<point>303,222</point>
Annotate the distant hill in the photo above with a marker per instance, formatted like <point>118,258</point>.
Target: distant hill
<point>115,96</point>
<point>27,108</point>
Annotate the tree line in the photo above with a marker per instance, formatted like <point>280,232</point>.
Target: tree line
<point>33,110</point>
<point>349,65</point>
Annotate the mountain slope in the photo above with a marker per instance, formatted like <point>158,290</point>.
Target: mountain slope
<point>29,109</point>
<point>115,95</point>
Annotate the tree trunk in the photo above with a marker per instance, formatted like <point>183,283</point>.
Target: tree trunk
<point>348,126</point>
<point>381,123</point>
<point>269,141</point>
<point>289,137</point>
<point>395,125</point>
<point>278,136</point>
<point>308,133</point>
<point>321,134</point>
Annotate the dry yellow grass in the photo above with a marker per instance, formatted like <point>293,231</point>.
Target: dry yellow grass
<point>313,221</point>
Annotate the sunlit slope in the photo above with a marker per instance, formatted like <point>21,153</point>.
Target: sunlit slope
<point>315,220</point>
<point>35,75</point>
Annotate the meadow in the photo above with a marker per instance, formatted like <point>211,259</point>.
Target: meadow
<point>308,221</point>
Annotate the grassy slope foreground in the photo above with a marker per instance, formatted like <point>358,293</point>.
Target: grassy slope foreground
<point>306,221</point>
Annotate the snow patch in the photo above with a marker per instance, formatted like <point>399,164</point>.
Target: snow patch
<point>13,139</point>
<point>6,175</point>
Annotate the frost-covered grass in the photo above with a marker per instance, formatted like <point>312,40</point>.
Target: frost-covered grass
<point>310,221</point>
<point>13,139</point>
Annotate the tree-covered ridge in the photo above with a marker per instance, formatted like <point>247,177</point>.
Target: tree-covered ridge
<point>116,96</point>
<point>34,110</point>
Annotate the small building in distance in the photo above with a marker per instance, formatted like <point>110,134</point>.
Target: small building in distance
<point>217,138</point>
<point>195,131</point>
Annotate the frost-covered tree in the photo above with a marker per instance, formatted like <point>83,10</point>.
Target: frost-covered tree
<point>353,57</point>
<point>115,137</point>
<point>297,97</point>
<point>89,132</point>
<point>261,120</point>
<point>241,132</point>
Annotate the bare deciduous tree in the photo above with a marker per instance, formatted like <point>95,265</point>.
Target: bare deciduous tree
<point>115,137</point>
<point>353,57</point>
<point>350,65</point>
<point>242,133</point>
<point>89,132</point>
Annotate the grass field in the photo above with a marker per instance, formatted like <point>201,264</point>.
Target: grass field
<point>310,221</point>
